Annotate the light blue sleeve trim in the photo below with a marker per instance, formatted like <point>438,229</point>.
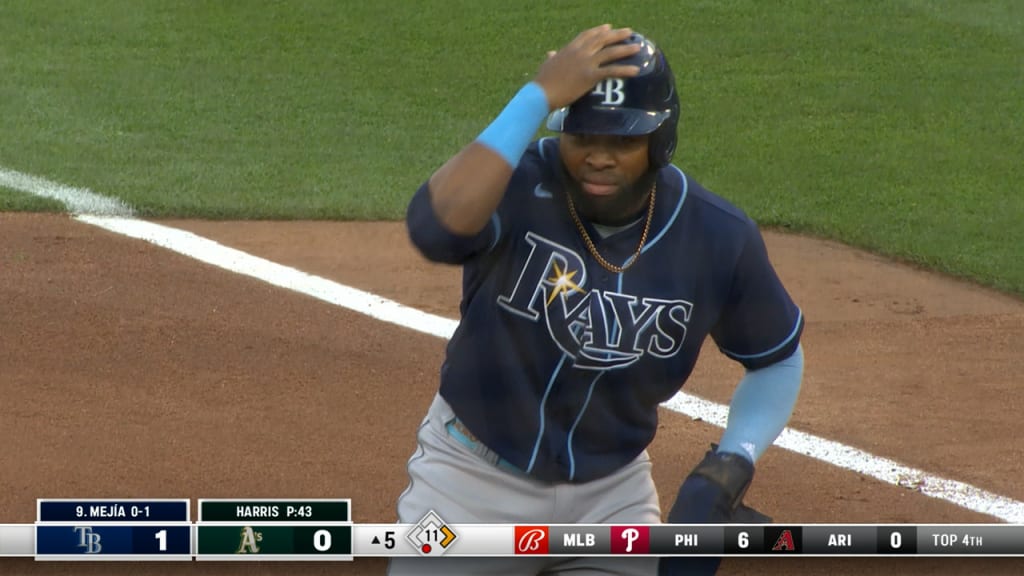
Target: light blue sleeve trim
<point>540,147</point>
<point>497,230</point>
<point>774,349</point>
<point>762,405</point>
<point>511,132</point>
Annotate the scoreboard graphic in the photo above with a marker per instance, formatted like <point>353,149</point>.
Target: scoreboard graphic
<point>274,530</point>
<point>322,530</point>
<point>112,530</point>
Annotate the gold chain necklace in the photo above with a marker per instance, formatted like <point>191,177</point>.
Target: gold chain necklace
<point>590,243</point>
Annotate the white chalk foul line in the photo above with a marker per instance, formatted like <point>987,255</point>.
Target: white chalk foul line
<point>889,471</point>
<point>206,250</point>
<point>77,200</point>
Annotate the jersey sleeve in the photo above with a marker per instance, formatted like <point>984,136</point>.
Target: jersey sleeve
<point>437,243</point>
<point>760,324</point>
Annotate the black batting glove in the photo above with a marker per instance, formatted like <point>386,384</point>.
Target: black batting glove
<point>711,494</point>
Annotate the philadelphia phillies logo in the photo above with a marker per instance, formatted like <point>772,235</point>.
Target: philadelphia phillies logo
<point>599,329</point>
<point>631,540</point>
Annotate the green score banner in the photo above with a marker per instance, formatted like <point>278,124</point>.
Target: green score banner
<point>275,540</point>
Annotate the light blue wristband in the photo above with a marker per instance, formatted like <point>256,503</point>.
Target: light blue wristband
<point>513,129</point>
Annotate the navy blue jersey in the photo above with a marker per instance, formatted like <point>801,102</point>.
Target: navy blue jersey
<point>558,364</point>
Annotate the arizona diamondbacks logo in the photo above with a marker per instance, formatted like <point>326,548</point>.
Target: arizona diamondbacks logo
<point>600,330</point>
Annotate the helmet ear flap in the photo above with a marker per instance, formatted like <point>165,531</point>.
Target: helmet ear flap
<point>664,139</point>
<point>662,145</point>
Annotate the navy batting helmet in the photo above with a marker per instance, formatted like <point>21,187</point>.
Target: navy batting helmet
<point>644,104</point>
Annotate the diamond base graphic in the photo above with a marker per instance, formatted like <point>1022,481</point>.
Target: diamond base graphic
<point>431,536</point>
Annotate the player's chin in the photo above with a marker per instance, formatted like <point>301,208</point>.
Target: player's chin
<point>602,209</point>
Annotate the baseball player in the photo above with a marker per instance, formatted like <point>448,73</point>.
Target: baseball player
<point>593,271</point>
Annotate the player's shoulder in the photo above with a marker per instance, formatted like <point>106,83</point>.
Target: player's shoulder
<point>709,219</point>
<point>718,230</point>
<point>537,168</point>
<point>710,204</point>
<point>539,159</point>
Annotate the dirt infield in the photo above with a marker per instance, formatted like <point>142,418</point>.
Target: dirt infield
<point>130,371</point>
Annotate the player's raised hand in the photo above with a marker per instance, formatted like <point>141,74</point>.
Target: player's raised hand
<point>573,71</point>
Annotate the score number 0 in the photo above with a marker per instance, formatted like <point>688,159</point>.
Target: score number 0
<point>322,540</point>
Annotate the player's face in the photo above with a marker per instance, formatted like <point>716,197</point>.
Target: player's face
<point>607,171</point>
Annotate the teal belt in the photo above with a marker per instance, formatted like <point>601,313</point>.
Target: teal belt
<point>458,430</point>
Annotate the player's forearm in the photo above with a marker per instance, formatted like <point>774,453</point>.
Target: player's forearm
<point>467,189</point>
<point>761,407</point>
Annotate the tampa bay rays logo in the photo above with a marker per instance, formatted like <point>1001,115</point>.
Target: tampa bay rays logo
<point>611,91</point>
<point>600,330</point>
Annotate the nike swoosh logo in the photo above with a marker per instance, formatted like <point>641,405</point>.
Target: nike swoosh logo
<point>541,192</point>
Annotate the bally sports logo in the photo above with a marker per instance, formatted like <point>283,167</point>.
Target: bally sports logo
<point>532,540</point>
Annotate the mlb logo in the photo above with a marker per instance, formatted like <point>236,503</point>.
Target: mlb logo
<point>532,540</point>
<point>631,539</point>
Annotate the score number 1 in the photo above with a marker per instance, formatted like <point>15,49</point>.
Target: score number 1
<point>169,540</point>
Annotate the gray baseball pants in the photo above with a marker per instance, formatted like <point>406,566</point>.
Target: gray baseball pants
<point>465,484</point>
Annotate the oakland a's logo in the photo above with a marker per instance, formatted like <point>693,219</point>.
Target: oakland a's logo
<point>600,330</point>
<point>248,541</point>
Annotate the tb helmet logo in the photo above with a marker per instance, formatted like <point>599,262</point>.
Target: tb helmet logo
<point>611,91</point>
<point>599,329</point>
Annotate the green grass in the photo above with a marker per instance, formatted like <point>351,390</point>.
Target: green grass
<point>890,125</point>
<point>13,201</point>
